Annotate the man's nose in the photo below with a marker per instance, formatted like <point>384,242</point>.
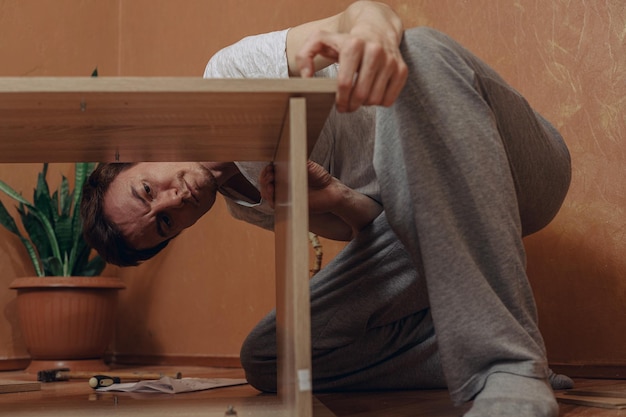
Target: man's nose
<point>169,199</point>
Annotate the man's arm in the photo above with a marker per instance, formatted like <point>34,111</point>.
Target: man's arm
<point>364,39</point>
<point>335,211</point>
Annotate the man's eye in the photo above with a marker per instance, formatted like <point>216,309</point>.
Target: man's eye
<point>147,189</point>
<point>166,221</point>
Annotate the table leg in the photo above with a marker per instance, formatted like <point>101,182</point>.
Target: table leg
<point>293,311</point>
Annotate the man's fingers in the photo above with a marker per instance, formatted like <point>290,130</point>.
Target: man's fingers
<point>318,177</point>
<point>376,77</point>
<point>334,47</point>
<point>350,63</point>
<point>370,84</point>
<point>373,78</point>
<point>370,73</point>
<point>266,184</point>
<point>319,44</point>
<point>381,78</point>
<point>396,84</point>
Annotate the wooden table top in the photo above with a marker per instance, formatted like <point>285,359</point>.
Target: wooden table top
<point>130,119</point>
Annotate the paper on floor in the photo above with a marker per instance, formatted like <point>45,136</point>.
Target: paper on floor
<point>174,386</point>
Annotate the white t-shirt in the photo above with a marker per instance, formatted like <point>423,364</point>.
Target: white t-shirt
<point>345,146</point>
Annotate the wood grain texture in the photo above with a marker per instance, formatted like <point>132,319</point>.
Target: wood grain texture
<point>7,385</point>
<point>293,322</point>
<point>78,399</point>
<point>593,401</point>
<point>130,119</point>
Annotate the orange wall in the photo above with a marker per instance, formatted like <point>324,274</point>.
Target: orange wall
<point>223,267</point>
<point>569,60</point>
<point>44,38</point>
<point>208,289</point>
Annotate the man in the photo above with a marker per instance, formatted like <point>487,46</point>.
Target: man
<point>435,186</point>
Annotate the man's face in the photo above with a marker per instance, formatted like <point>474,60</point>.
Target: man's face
<point>154,201</point>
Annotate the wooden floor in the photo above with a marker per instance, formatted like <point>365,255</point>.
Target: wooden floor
<point>76,398</point>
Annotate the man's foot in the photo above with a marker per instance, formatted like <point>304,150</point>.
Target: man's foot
<point>560,381</point>
<point>509,395</point>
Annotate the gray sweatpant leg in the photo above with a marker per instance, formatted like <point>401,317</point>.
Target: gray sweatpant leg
<point>370,322</point>
<point>466,168</point>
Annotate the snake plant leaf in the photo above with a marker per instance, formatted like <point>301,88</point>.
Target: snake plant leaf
<point>54,227</point>
<point>82,169</point>
<point>7,221</point>
<point>39,238</point>
<point>37,213</point>
<point>79,256</point>
<point>55,199</point>
<point>53,266</point>
<point>33,256</point>
<point>65,198</point>
<point>5,188</point>
<point>66,269</point>
<point>94,266</point>
<point>45,206</point>
<point>63,231</point>
<point>48,230</point>
<point>42,199</point>
<point>36,232</point>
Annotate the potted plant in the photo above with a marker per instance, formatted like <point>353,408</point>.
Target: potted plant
<point>66,312</point>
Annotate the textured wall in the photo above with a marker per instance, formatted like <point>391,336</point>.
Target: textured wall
<point>205,292</point>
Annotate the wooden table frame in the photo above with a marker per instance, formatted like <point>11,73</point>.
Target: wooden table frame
<point>132,119</point>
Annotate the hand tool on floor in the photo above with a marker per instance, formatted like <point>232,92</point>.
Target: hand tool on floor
<point>64,374</point>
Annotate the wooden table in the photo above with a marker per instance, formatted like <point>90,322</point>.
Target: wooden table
<point>63,119</point>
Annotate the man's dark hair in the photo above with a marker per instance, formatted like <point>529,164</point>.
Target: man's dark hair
<point>101,234</point>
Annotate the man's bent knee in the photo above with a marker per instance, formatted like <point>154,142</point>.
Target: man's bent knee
<point>258,360</point>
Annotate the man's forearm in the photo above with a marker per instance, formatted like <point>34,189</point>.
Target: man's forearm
<point>335,210</point>
<point>352,212</point>
<point>330,226</point>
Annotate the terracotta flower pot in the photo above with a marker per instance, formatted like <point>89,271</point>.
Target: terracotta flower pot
<point>67,321</point>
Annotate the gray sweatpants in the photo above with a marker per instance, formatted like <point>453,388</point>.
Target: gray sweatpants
<point>434,292</point>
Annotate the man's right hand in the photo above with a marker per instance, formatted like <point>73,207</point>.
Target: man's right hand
<point>325,191</point>
<point>335,210</point>
<point>364,40</point>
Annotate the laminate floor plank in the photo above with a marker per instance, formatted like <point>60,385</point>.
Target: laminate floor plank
<point>76,398</point>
